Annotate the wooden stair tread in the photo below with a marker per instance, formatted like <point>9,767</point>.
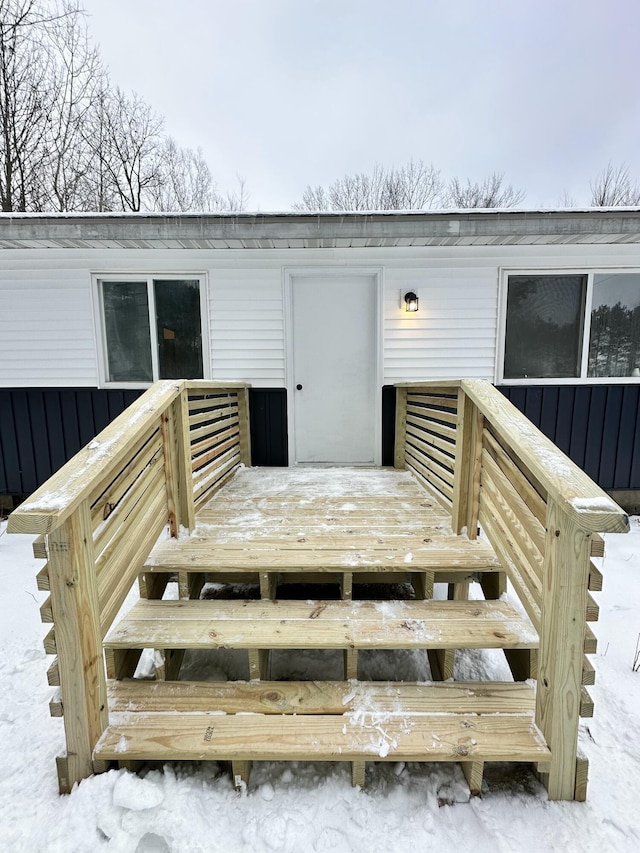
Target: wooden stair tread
<point>315,553</point>
<point>361,734</point>
<point>320,697</point>
<point>287,624</point>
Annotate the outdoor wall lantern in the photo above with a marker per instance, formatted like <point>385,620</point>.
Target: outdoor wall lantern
<point>411,301</point>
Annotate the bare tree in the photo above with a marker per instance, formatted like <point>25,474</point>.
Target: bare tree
<point>614,187</point>
<point>132,153</point>
<point>414,186</point>
<point>566,200</point>
<point>78,81</point>
<point>25,102</point>
<point>185,183</point>
<point>492,192</point>
<point>70,141</point>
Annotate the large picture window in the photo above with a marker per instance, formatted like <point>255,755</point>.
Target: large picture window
<point>572,326</point>
<point>152,328</point>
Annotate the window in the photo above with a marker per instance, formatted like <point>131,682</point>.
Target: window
<point>572,326</point>
<point>152,328</point>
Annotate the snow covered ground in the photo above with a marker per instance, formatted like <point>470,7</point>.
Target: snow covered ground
<point>312,807</point>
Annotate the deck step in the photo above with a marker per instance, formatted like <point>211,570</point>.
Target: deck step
<point>362,734</point>
<point>290,624</point>
<point>421,552</point>
<point>135,696</point>
<point>335,721</point>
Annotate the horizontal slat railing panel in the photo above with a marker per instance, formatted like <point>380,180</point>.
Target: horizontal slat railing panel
<point>443,472</point>
<point>585,502</point>
<point>424,467</point>
<point>424,442</point>
<point>214,425</point>
<point>429,447</point>
<point>109,491</point>
<point>109,530</point>
<point>529,570</point>
<point>428,439</point>
<point>210,477</point>
<point>104,456</point>
<point>530,491</point>
<point>215,435</point>
<point>491,489</point>
<point>215,450</point>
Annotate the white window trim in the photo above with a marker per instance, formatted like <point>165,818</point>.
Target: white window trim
<point>583,379</point>
<point>135,275</point>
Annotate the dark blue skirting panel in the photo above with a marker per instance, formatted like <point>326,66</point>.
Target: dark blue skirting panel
<point>595,425</point>
<point>42,428</point>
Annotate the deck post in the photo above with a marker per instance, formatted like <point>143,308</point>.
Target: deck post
<point>244,425</point>
<point>76,616</point>
<point>562,636</point>
<point>401,428</point>
<point>185,502</point>
<point>466,476</point>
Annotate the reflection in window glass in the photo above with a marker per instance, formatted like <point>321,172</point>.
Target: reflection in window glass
<point>544,326</point>
<point>179,329</point>
<point>614,341</point>
<point>126,320</point>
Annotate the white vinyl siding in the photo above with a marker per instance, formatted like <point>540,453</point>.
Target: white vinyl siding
<point>46,329</point>
<point>247,326</point>
<point>47,335</point>
<point>453,332</point>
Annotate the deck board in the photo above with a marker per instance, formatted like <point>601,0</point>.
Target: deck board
<point>354,735</point>
<point>322,519</point>
<point>291,624</point>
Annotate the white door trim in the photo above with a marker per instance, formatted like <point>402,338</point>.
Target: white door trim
<point>288,274</point>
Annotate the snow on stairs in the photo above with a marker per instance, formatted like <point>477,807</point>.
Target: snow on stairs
<point>469,722</point>
<point>330,721</point>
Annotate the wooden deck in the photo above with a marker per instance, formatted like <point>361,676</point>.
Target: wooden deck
<point>322,559</point>
<point>347,531</point>
<point>363,521</point>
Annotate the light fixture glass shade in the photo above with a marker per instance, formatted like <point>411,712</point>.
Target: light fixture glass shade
<point>411,301</point>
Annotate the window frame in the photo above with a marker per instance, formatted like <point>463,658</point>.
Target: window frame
<point>582,379</point>
<point>100,332</point>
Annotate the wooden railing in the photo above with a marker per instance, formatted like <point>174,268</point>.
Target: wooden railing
<point>160,461</point>
<point>541,514</point>
<point>99,517</point>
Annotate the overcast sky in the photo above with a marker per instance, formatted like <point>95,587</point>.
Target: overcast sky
<point>294,92</point>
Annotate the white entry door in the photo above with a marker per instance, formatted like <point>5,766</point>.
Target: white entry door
<point>334,368</point>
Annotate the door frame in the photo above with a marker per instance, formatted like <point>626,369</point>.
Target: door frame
<point>288,274</point>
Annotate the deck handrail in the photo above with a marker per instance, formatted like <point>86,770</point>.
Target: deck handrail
<point>100,515</point>
<point>487,463</point>
<point>51,504</point>
<point>589,505</point>
<point>582,499</point>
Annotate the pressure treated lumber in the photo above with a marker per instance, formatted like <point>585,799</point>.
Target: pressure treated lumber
<point>101,458</point>
<point>207,555</point>
<point>53,502</point>
<point>289,624</point>
<point>585,502</point>
<point>347,737</point>
<point>74,601</point>
<point>319,697</point>
<point>562,634</point>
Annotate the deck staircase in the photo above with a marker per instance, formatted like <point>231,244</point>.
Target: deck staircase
<point>346,560</point>
<point>371,528</point>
